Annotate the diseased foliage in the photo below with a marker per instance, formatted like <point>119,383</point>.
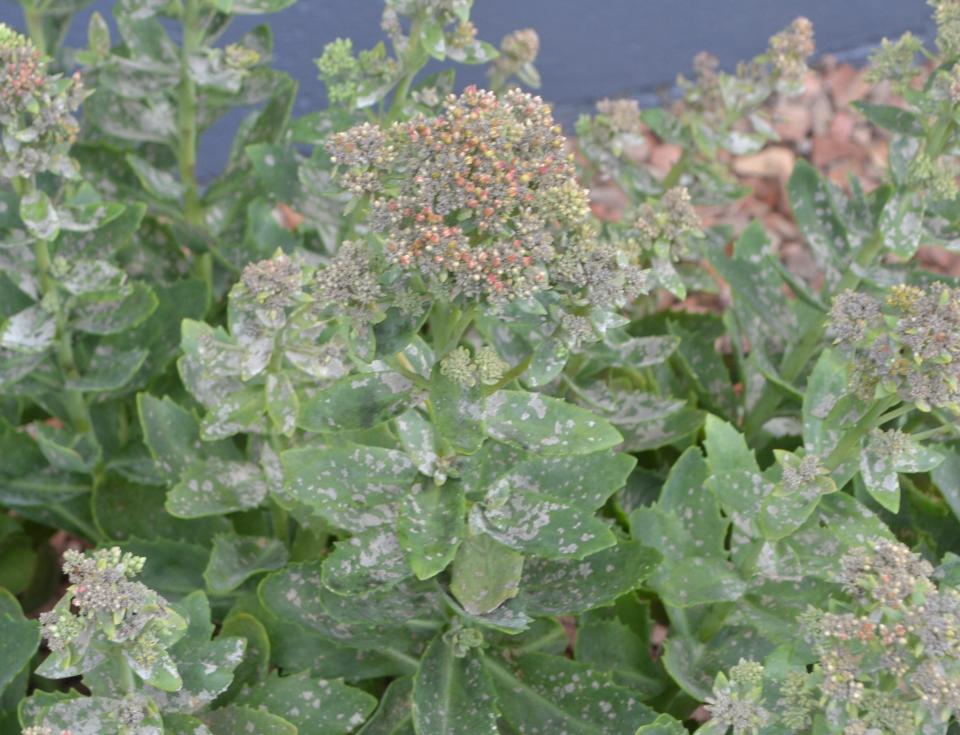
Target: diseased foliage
<point>381,430</point>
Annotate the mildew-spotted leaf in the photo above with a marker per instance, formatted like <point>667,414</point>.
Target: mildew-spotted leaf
<point>457,412</point>
<point>430,527</point>
<point>418,437</point>
<point>283,406</point>
<point>352,487</point>
<point>542,525</point>
<point>364,562</point>
<point>316,706</point>
<point>394,716</point>
<point>887,454</point>
<point>295,595</point>
<point>485,574</point>
<point>234,559</point>
<point>95,315</point>
<point>452,693</point>
<point>19,639</point>
<point>546,425</point>
<point>32,330</point>
<point>206,666</point>
<point>586,480</point>
<point>566,586</point>
<point>356,402</point>
<point>170,432</point>
<point>215,486</point>
<point>694,665</point>
<point>539,693</point>
<point>233,720</point>
<point>98,715</point>
<point>663,725</point>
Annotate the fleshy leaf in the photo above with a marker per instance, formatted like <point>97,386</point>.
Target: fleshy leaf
<point>216,486</point>
<point>356,402</point>
<point>430,527</point>
<point>234,559</point>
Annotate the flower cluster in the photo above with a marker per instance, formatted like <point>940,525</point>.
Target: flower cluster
<point>348,77</point>
<point>908,344</point>
<point>736,701</point>
<point>888,662</point>
<point>947,16</point>
<point>790,49</point>
<point>518,51</point>
<point>105,603</point>
<point>895,61</point>
<point>481,200</point>
<point>37,126</point>
<point>349,282</point>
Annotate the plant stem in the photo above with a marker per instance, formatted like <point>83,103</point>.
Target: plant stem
<point>187,120</point>
<point>33,17</point>
<point>73,400</point>
<point>850,442</point>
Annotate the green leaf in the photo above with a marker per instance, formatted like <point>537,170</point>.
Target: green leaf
<point>251,7</point>
<point>586,480</point>
<point>156,182</point>
<point>234,559</point>
<point>170,432</point>
<point>947,479</point>
<point>663,725</point>
<point>108,370</point>
<point>901,224</point>
<point>546,425</point>
<point>19,639</point>
<point>112,316</point>
<point>888,117</point>
<point>394,716</point>
<point>458,413</point>
<point>283,406</point>
<point>365,562</point>
<point>694,665</point>
<point>206,666</point>
<point>542,525</point>
<point>216,486</point>
<point>453,695</point>
<point>563,587</point>
<point>351,487</point>
<point>276,170</point>
<point>485,574</point>
<point>32,330</point>
<point>316,706</point>
<point>256,656</point>
<point>356,402</point>
<point>39,215</point>
<point>880,466</point>
<point>550,694</point>
<point>816,215</point>
<point>430,527</point>
<point>233,720</point>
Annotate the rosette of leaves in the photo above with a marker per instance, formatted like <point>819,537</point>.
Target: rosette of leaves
<point>882,659</point>
<point>150,666</point>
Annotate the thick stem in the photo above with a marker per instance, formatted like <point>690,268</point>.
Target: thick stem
<point>849,444</point>
<point>187,119</point>
<point>34,19</point>
<point>73,400</point>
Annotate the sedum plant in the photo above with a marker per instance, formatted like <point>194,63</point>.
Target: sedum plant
<point>380,430</point>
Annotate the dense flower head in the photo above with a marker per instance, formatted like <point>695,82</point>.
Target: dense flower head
<point>37,125</point>
<point>482,199</point>
<point>465,369</point>
<point>622,116</point>
<point>349,282</point>
<point>790,49</point>
<point>274,283</point>
<point>909,343</point>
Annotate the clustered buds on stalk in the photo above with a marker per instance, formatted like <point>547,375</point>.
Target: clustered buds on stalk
<point>481,201</point>
<point>790,49</point>
<point>895,61</point>
<point>37,126</point>
<point>908,344</point>
<point>485,367</point>
<point>106,605</point>
<point>947,16</point>
<point>347,76</point>
<point>888,662</point>
<point>735,701</point>
<point>518,51</point>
